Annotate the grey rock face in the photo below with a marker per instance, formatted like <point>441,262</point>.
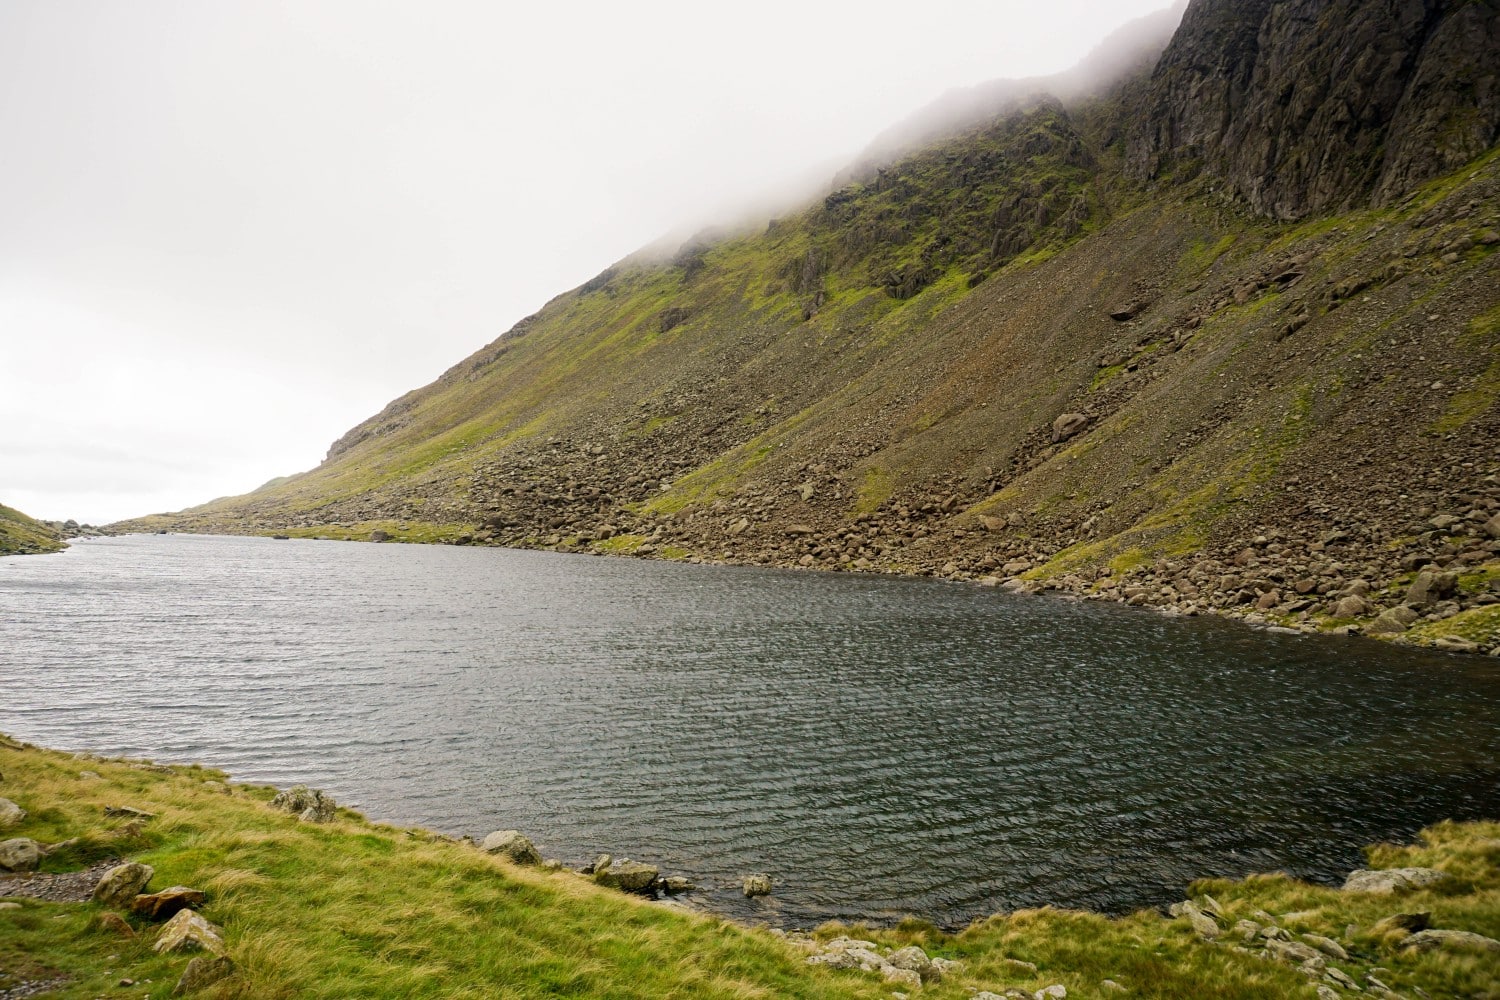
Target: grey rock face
<point>1303,106</point>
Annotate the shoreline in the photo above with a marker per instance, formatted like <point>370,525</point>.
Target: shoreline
<point>186,820</point>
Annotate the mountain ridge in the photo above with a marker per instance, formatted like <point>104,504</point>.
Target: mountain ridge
<point>1069,346</point>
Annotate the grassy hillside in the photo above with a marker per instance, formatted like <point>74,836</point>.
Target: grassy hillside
<point>22,535</point>
<point>351,908</point>
<point>994,358</point>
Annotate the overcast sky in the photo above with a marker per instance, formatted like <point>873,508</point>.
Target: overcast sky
<point>229,231</point>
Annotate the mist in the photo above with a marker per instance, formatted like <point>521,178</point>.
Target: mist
<point>231,231</point>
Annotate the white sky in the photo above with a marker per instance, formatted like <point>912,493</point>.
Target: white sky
<point>232,229</point>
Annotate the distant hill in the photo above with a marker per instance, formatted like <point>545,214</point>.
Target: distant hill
<point>1219,331</point>
<point>22,535</point>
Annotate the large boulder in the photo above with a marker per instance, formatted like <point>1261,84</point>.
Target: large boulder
<point>20,854</point>
<point>10,814</point>
<point>627,876</point>
<point>1430,587</point>
<point>1388,880</point>
<point>119,886</point>
<point>1067,426</point>
<point>513,845</point>
<point>189,931</point>
<point>307,804</point>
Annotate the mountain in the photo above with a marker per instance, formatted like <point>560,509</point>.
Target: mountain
<point>23,535</point>
<point>1221,336</point>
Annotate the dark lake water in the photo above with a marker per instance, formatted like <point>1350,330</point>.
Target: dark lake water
<point>879,746</point>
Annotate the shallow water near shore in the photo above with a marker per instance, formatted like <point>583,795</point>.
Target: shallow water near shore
<point>878,746</point>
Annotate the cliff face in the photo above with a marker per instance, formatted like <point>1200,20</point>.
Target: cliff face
<point>1005,355</point>
<point>1306,106</point>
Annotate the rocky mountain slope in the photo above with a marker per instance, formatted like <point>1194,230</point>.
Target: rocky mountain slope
<point>23,535</point>
<point>1222,337</point>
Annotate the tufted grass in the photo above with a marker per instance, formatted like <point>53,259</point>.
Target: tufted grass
<point>359,909</point>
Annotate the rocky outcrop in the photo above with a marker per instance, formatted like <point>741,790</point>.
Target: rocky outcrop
<point>1305,106</point>
<point>307,804</point>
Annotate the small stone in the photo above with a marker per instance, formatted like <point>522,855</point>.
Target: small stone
<point>1057,990</point>
<point>512,845</point>
<point>1067,426</point>
<point>757,885</point>
<point>675,884</point>
<point>911,957</point>
<point>121,884</point>
<point>1342,978</point>
<point>902,977</point>
<point>10,814</point>
<point>203,971</point>
<point>114,923</point>
<point>1112,986</point>
<point>88,776</point>
<point>7,904</point>
<point>188,931</point>
<point>1247,930</point>
<point>1407,923</point>
<point>20,854</point>
<point>1205,925</point>
<point>1327,993</point>
<point>128,811</point>
<point>1018,966</point>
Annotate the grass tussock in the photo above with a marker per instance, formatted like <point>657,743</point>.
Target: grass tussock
<point>353,908</point>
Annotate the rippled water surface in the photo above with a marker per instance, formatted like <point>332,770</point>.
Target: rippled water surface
<point>878,746</point>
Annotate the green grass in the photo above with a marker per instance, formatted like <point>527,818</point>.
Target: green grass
<point>354,908</point>
<point>23,535</point>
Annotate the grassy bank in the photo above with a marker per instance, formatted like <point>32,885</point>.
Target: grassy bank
<point>352,908</point>
<point>24,535</point>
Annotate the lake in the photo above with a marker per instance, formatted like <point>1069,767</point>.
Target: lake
<point>879,746</point>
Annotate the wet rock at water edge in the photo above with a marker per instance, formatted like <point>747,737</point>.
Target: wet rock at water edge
<point>307,804</point>
<point>756,885</point>
<point>20,854</point>
<point>121,884</point>
<point>627,876</point>
<point>513,845</point>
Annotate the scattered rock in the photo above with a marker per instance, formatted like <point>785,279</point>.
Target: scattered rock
<point>902,977</point>
<point>161,905</point>
<point>129,811</point>
<point>1431,940</point>
<point>1388,880</point>
<point>911,957</point>
<point>121,884</point>
<point>6,904</point>
<point>1057,990</point>
<point>189,931</point>
<point>1068,425</point>
<point>203,971</point>
<point>1327,946</point>
<point>20,854</point>
<point>10,814</point>
<point>113,922</point>
<point>1396,620</point>
<point>1430,587</point>
<point>1327,993</point>
<point>513,845</point>
<point>1110,984</point>
<point>674,884</point>
<point>757,885</point>
<point>307,804</point>
<point>1204,925</point>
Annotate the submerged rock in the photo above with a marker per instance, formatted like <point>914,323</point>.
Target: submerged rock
<point>757,885</point>
<point>627,876</point>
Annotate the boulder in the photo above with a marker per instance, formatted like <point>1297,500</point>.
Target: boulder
<point>901,977</point>
<point>1352,606</point>
<point>189,931</point>
<point>757,885</point>
<point>121,884</point>
<point>307,804</point>
<point>203,971</point>
<point>674,884</point>
<point>20,854</point>
<point>161,905</point>
<point>1396,620</point>
<point>1327,946</point>
<point>1431,940</point>
<point>1294,953</point>
<point>128,812</point>
<point>1430,587</point>
<point>1204,925</point>
<point>10,814</point>
<point>379,536</point>
<point>911,957</point>
<point>1492,527</point>
<point>513,845</point>
<point>1068,425</point>
<point>1389,880</point>
<point>627,876</point>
